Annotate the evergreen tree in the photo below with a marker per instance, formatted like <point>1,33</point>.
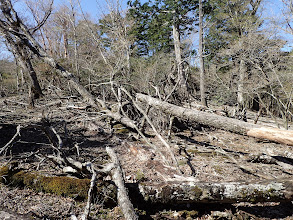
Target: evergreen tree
<point>154,20</point>
<point>230,20</point>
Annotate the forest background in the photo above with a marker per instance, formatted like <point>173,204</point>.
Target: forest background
<point>246,49</point>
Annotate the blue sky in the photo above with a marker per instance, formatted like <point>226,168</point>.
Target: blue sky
<point>96,8</point>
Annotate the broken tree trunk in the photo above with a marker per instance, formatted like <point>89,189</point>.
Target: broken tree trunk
<point>229,192</point>
<point>221,122</point>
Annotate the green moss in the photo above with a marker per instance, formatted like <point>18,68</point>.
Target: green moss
<point>189,214</point>
<point>182,162</point>
<point>58,185</point>
<point>197,192</point>
<point>140,176</point>
<point>202,154</point>
<point>219,169</point>
<point>260,195</point>
<point>65,186</point>
<point>166,194</point>
<point>195,151</point>
<point>62,186</point>
<point>120,128</point>
<point>3,173</point>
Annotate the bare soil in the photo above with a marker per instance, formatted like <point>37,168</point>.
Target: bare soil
<point>203,154</point>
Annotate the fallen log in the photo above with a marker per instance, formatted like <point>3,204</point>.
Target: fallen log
<point>122,194</point>
<point>230,192</point>
<point>154,192</point>
<point>220,122</point>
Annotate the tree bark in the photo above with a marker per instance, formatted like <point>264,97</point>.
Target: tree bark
<point>24,60</point>
<point>229,192</point>
<point>177,49</point>
<point>240,85</point>
<point>201,60</point>
<point>221,122</point>
<point>122,194</point>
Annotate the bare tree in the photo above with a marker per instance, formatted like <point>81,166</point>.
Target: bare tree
<point>10,27</point>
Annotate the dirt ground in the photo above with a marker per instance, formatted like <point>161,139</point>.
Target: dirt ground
<point>203,154</point>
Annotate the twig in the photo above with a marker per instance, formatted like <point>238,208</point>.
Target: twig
<point>11,140</point>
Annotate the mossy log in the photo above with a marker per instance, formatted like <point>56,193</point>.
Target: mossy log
<point>220,122</point>
<point>168,192</point>
<point>230,192</point>
<point>58,185</point>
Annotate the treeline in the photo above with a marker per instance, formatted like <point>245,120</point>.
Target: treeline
<point>151,48</point>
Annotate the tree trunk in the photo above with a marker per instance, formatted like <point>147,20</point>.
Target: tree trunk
<point>240,89</point>
<point>229,192</point>
<point>221,122</point>
<point>181,74</point>
<point>23,59</point>
<point>201,60</point>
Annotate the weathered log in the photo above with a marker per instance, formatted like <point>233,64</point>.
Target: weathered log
<point>230,192</point>
<point>221,122</point>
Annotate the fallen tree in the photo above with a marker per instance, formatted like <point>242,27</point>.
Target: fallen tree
<point>220,122</point>
<point>229,192</point>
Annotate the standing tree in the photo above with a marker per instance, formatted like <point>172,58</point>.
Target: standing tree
<point>231,22</point>
<point>201,53</point>
<point>158,24</point>
<point>10,28</point>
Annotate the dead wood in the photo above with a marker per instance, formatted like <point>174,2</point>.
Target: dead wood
<point>3,149</point>
<point>229,192</point>
<point>69,165</point>
<point>122,194</point>
<point>175,162</point>
<point>221,122</point>
<point>87,209</point>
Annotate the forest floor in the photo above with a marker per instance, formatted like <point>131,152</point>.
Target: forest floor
<point>203,154</point>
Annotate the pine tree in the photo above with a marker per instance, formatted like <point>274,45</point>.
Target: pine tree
<point>154,20</point>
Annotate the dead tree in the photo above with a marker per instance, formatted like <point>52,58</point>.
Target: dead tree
<point>22,56</point>
<point>11,28</point>
<point>221,122</point>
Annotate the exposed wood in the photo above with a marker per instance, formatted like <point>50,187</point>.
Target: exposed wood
<point>87,209</point>
<point>273,134</point>
<point>122,194</point>
<point>221,122</point>
<point>229,192</point>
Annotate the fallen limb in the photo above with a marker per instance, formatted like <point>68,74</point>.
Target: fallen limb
<point>221,122</point>
<point>122,195</point>
<point>3,149</point>
<point>87,209</point>
<point>230,192</point>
